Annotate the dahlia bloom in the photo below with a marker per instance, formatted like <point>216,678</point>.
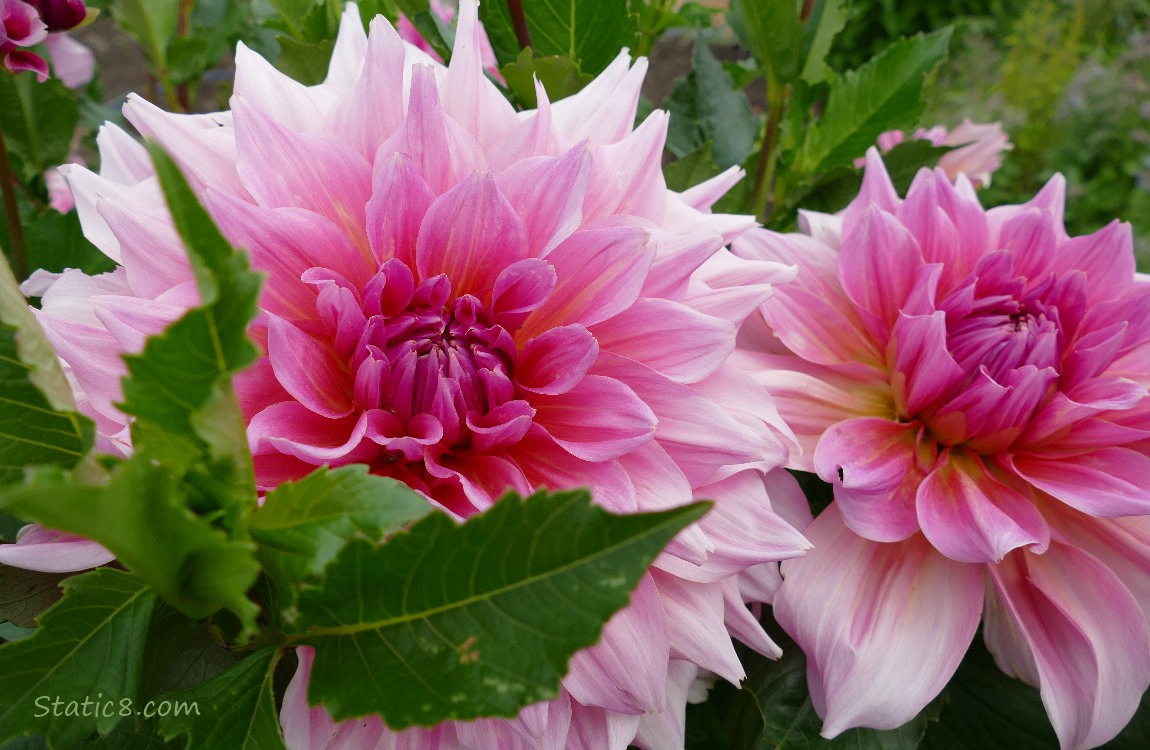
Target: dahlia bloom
<point>471,300</point>
<point>21,26</point>
<point>978,152</point>
<point>973,383</point>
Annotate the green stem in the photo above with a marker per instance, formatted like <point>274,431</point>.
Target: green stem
<point>12,213</point>
<point>762,202</point>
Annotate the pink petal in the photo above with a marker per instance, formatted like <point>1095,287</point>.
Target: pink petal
<point>626,671</point>
<point>555,361</point>
<point>49,551</point>
<point>1107,482</point>
<point>72,61</point>
<point>302,170</point>
<point>309,370</point>
<point>875,466</point>
<point>468,97</point>
<point>1086,636</point>
<point>210,138</point>
<point>1106,256</point>
<point>599,272</point>
<point>744,527</point>
<point>695,623</point>
<point>597,420</point>
<point>442,150</point>
<point>399,200</point>
<point>604,110</point>
<point>547,464</point>
<point>627,177</point>
<point>670,338</point>
<point>519,290</point>
<point>312,728</point>
<point>970,516</point>
<point>883,625</point>
<point>923,369</point>
<point>288,102</point>
<point>470,233</point>
<point>668,727</point>
<point>370,111</point>
<point>548,193</point>
<point>878,265</point>
<point>296,431</point>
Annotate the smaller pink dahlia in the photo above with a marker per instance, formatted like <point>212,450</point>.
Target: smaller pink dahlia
<point>977,153</point>
<point>973,383</point>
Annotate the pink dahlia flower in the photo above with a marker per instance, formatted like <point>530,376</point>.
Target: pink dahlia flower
<point>973,383</point>
<point>21,26</point>
<point>977,153</point>
<point>471,300</point>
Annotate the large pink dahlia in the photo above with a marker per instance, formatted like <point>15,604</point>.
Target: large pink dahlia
<point>471,300</point>
<point>973,383</point>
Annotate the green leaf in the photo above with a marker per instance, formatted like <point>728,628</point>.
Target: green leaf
<point>982,707</point>
<point>789,719</point>
<point>24,594</point>
<point>56,241</point>
<point>827,19</point>
<point>152,22</point>
<point>884,93</point>
<point>559,75</point>
<point>705,107</point>
<point>38,424</point>
<point>141,516</point>
<point>477,619</point>
<point>905,160</point>
<point>588,32</point>
<point>181,653</point>
<point>692,169</point>
<point>39,121</point>
<point>179,387</point>
<point>87,647</point>
<point>306,62</point>
<point>303,525</point>
<point>773,33</point>
<point>235,710</point>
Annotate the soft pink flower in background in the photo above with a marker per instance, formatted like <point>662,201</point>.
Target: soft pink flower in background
<point>446,13</point>
<point>973,383</point>
<point>472,300</point>
<point>72,62</point>
<point>21,26</point>
<point>977,153</point>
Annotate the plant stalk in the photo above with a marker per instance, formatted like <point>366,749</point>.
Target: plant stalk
<point>762,203</point>
<point>12,213</point>
<point>519,22</point>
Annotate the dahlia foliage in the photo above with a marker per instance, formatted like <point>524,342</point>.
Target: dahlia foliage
<point>402,403</point>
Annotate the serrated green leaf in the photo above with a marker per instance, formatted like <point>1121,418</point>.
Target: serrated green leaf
<point>181,653</point>
<point>477,619</point>
<point>179,386</point>
<point>152,22</point>
<point>827,19</point>
<point>56,241</point>
<point>24,594</point>
<point>692,169</point>
<point>39,121</point>
<point>906,159</point>
<point>306,62</point>
<point>705,107</point>
<point>303,525</point>
<point>141,516</point>
<point>87,647</point>
<point>589,32</point>
<point>982,707</point>
<point>38,424</point>
<point>235,710</point>
<point>773,33</point>
<point>883,94</point>
<point>125,737</point>
<point>559,75</point>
